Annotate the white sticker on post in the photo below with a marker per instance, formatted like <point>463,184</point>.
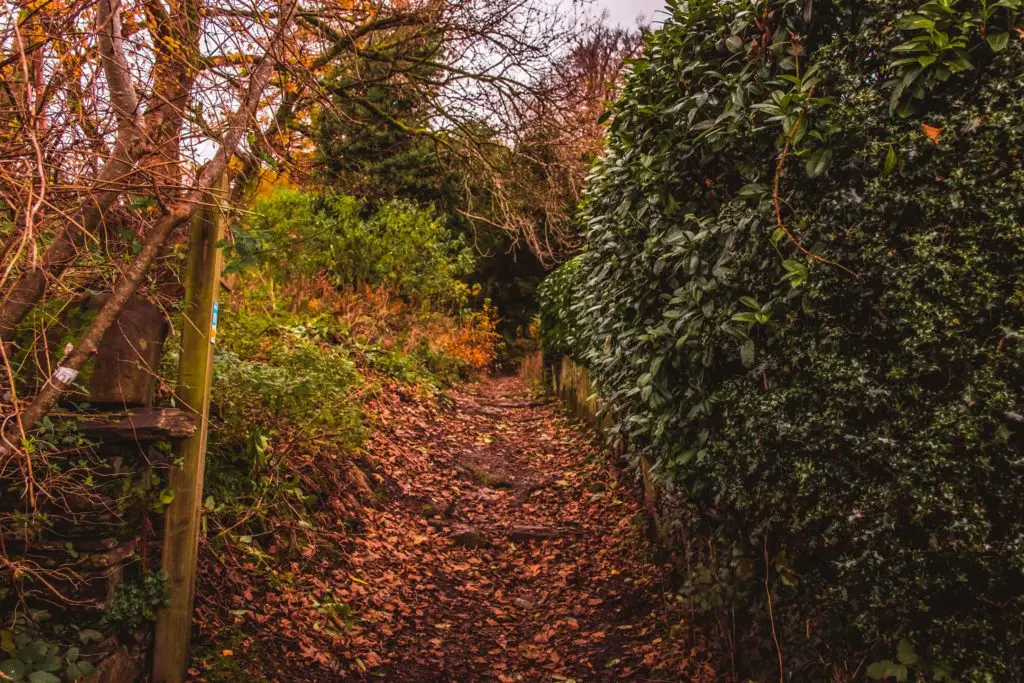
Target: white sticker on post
<point>65,375</point>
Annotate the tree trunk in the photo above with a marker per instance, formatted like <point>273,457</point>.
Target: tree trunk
<point>178,213</point>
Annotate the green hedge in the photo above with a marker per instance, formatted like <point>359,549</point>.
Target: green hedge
<point>560,330</point>
<point>834,402</point>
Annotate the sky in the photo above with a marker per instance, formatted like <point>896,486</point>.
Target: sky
<point>625,12</point>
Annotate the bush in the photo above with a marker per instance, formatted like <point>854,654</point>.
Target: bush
<point>835,393</point>
<point>559,316</point>
<point>401,247</point>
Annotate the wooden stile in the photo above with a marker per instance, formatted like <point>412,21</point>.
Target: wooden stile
<point>195,371</point>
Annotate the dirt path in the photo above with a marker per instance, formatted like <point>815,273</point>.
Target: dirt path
<point>507,549</point>
<point>484,537</point>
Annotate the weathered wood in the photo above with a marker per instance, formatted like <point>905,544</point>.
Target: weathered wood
<point>468,537</point>
<point>123,372</point>
<point>195,370</point>
<point>145,424</point>
<point>522,534</point>
<point>126,364</point>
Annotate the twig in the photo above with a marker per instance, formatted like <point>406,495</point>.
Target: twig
<point>771,613</point>
<point>780,166</point>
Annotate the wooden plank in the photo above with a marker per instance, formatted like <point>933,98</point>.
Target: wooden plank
<point>145,424</point>
<point>195,370</point>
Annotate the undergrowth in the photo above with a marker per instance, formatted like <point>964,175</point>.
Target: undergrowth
<point>302,350</point>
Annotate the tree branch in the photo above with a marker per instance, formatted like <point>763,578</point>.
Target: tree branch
<point>179,212</point>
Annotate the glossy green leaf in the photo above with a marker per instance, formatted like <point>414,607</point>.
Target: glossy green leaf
<point>998,41</point>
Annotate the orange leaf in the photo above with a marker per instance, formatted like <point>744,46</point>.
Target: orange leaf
<point>934,133</point>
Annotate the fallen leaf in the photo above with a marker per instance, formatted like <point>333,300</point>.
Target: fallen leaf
<point>934,133</point>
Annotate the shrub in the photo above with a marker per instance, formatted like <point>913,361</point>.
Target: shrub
<point>804,298</point>
<point>406,249</point>
<point>559,316</point>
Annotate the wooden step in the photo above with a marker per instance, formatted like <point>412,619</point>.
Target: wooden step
<point>142,424</point>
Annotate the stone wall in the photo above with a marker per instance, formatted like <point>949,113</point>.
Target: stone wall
<point>80,519</point>
<point>572,384</point>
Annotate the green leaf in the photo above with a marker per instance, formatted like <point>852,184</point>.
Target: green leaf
<point>734,43</point>
<point>13,669</point>
<point>143,203</point>
<point>88,635</point>
<point>48,663</point>
<point>7,641</point>
<point>905,652</point>
<point>42,677</point>
<point>818,163</point>
<point>890,160</point>
<point>899,672</point>
<point>745,317</point>
<point>753,190</point>
<point>877,671</point>
<point>32,651</point>
<point>998,41</point>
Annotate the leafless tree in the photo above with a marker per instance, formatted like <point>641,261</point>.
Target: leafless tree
<point>118,115</point>
<point>560,135</point>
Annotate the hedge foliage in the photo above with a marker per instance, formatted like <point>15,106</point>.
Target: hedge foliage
<point>560,327</point>
<point>803,298</point>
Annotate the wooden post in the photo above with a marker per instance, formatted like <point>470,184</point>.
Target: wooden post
<point>195,370</point>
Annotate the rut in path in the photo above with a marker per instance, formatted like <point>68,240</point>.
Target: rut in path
<point>506,547</point>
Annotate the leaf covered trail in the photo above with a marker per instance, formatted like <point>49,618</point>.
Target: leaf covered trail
<point>495,541</point>
<point>508,549</point>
